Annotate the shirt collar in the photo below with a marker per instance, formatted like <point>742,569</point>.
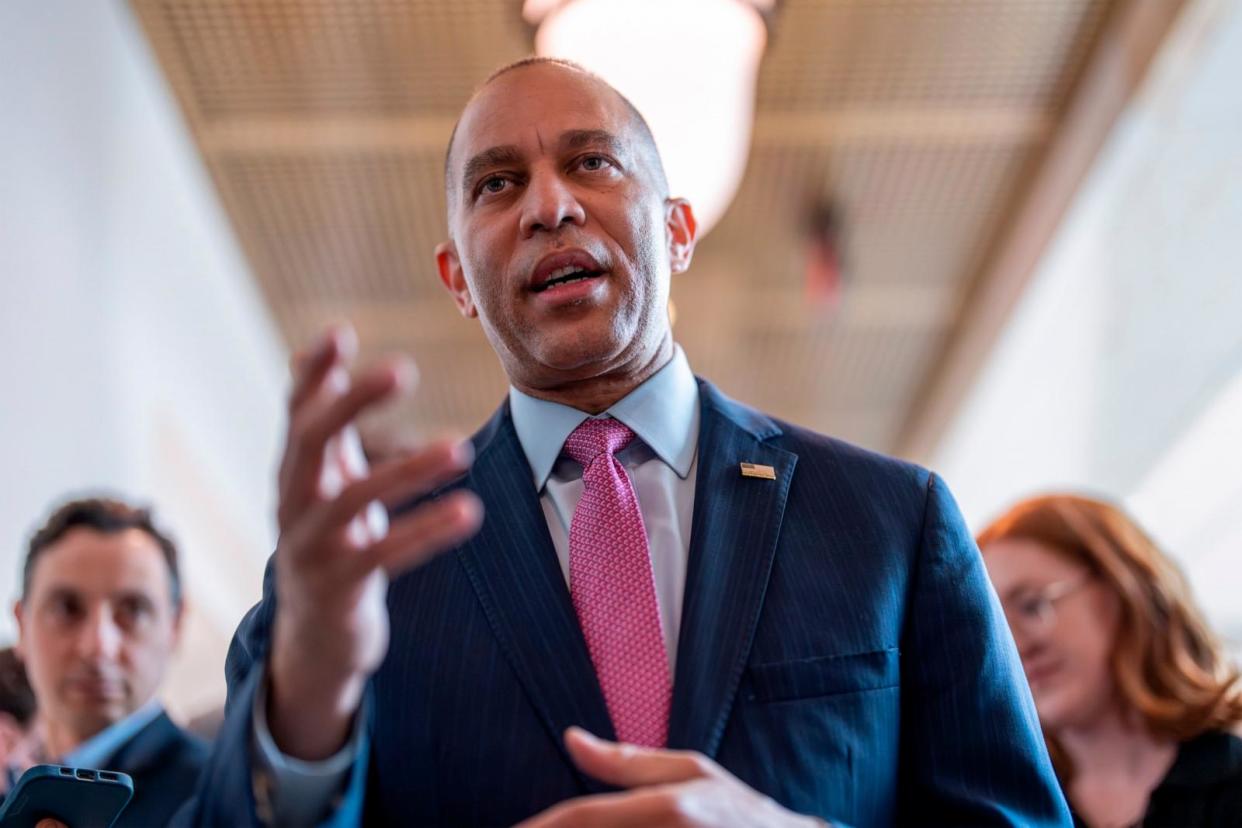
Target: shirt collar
<point>96,751</point>
<point>663,412</point>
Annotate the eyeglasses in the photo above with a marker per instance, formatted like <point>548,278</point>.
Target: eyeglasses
<point>1035,611</point>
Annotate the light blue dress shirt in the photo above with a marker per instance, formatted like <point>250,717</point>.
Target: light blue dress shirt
<point>663,413</point>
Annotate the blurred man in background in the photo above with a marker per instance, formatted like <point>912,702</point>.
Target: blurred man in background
<point>99,618</point>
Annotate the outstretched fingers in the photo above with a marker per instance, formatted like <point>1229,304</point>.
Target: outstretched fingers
<point>423,532</point>
<point>311,368</point>
<point>319,421</point>
<point>413,536</point>
<point>397,481</point>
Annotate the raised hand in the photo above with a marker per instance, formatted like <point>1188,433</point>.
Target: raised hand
<point>335,553</point>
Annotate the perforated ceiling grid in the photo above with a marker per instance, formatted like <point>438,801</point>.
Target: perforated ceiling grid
<point>323,123</point>
<point>314,57</point>
<point>828,53</point>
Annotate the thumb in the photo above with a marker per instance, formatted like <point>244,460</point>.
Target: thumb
<point>631,766</point>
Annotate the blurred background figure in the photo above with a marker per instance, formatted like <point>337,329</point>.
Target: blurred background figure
<point>17,712</point>
<point>99,617</point>
<point>1134,692</point>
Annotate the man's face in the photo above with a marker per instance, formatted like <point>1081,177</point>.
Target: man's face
<point>98,627</point>
<point>562,240</point>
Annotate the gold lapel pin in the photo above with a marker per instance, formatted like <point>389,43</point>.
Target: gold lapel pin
<point>758,470</point>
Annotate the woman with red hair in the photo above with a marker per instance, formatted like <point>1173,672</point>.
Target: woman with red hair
<point>1135,694</point>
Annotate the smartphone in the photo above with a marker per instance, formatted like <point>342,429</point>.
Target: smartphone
<point>78,797</point>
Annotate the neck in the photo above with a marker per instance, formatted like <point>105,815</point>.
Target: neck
<point>59,738</point>
<point>595,394</point>
<point>1117,744</point>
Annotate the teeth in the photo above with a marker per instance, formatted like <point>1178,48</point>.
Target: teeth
<point>561,272</point>
<point>564,276</point>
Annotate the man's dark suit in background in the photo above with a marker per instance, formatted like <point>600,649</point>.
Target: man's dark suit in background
<point>164,762</point>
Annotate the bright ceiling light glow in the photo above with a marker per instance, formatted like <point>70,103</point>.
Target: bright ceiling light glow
<point>688,65</point>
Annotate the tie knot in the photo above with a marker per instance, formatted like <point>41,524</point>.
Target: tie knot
<point>595,437</point>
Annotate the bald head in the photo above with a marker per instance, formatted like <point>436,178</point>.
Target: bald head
<point>638,124</point>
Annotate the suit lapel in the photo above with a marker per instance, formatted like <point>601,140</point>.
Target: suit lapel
<point>733,536</point>
<point>145,746</point>
<point>513,568</point>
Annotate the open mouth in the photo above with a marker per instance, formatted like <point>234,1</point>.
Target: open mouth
<point>1040,673</point>
<point>565,276</point>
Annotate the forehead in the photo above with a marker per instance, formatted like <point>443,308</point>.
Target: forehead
<point>94,562</point>
<point>530,106</point>
<point>1017,563</point>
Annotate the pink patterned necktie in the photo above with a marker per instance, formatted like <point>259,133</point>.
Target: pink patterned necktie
<point>613,589</point>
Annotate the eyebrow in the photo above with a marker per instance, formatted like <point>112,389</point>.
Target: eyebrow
<point>579,138</point>
<point>572,139</point>
<point>61,591</point>
<point>488,158</point>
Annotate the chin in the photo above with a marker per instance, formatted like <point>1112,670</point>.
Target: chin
<point>580,352</point>
<point>1057,709</point>
<point>96,719</point>
<point>1050,718</point>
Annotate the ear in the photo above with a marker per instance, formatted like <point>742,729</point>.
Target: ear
<point>178,625</point>
<point>21,630</point>
<point>682,233</point>
<point>454,278</point>
<point>11,733</point>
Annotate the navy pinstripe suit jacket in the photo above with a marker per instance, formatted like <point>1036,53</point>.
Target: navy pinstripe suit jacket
<point>841,650</point>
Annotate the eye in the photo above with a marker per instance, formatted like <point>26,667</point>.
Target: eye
<point>65,608</point>
<point>1034,606</point>
<point>133,610</point>
<point>493,185</point>
<point>594,163</point>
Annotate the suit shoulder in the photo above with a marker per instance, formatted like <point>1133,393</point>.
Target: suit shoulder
<point>859,464</point>
<point>828,464</point>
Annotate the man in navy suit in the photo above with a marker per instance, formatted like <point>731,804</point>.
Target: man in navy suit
<point>821,642</point>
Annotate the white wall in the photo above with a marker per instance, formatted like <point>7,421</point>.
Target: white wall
<point>138,355</point>
<point>1120,371</point>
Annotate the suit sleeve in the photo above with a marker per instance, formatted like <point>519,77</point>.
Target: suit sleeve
<point>972,750</point>
<point>236,788</point>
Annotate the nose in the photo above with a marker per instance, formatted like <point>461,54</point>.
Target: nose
<point>1029,645</point>
<point>548,204</point>
<point>99,637</point>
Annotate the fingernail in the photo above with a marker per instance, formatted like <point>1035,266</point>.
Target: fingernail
<point>463,453</point>
<point>346,339</point>
<point>338,379</point>
<point>405,373</point>
<point>584,735</point>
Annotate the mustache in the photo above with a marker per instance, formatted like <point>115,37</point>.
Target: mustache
<point>530,259</point>
<point>94,673</point>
